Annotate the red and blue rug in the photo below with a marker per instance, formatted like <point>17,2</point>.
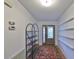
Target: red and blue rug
<point>49,52</point>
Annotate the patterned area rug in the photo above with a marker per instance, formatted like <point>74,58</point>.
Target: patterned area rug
<point>48,52</point>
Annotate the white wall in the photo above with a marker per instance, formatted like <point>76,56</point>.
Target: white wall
<point>66,36</point>
<point>15,40</point>
<point>40,23</point>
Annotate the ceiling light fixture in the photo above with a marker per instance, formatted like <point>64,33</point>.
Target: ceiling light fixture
<point>46,3</point>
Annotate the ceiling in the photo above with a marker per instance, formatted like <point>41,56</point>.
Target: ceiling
<point>40,12</point>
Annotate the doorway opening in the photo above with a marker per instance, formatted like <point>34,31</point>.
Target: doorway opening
<point>48,34</point>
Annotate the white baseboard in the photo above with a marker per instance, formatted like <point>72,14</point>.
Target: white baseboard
<point>16,53</point>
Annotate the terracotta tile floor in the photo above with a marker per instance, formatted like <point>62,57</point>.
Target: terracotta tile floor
<point>49,52</point>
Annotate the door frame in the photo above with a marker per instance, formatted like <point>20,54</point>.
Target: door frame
<point>45,34</point>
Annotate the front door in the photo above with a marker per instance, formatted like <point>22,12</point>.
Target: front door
<point>49,34</point>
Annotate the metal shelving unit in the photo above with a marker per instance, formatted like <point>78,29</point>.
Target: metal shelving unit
<point>32,39</point>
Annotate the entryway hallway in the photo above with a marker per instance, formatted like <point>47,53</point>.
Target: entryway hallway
<point>37,31</point>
